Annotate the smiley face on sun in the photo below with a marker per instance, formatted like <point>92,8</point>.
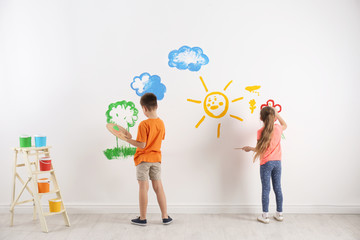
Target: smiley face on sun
<point>216,105</point>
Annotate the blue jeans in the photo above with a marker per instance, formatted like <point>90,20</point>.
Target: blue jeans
<point>271,169</point>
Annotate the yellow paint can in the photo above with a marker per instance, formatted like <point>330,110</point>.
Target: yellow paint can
<point>55,205</point>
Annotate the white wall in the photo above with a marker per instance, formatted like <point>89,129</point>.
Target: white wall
<point>64,62</point>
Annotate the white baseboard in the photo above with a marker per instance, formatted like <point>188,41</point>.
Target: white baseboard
<point>195,209</point>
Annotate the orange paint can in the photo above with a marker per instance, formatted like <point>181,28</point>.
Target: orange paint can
<point>44,185</point>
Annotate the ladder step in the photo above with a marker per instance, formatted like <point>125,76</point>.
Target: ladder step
<point>32,148</point>
<point>51,192</point>
<point>41,172</point>
<point>53,213</point>
<point>26,201</point>
<point>23,164</point>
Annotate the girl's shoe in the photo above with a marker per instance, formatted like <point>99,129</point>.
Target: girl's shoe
<point>279,216</point>
<point>139,222</point>
<point>167,221</point>
<point>264,218</point>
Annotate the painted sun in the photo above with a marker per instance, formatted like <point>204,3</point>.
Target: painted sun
<point>216,105</point>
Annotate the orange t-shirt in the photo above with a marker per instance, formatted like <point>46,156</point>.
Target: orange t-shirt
<point>152,132</point>
<point>274,150</point>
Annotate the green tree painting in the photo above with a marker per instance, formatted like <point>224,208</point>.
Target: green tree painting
<point>124,114</point>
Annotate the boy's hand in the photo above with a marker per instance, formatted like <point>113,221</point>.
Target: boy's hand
<point>135,143</point>
<point>124,137</point>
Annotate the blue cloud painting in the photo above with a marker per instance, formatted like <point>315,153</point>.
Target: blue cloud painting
<point>146,83</point>
<point>188,58</point>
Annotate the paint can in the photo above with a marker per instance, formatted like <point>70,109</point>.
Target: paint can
<point>55,205</point>
<point>45,164</point>
<point>25,141</point>
<point>40,141</point>
<point>44,185</point>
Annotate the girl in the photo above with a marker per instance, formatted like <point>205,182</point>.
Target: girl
<point>268,149</point>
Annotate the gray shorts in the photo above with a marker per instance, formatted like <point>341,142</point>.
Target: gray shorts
<point>146,169</point>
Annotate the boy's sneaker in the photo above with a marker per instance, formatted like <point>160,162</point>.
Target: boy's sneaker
<point>139,222</point>
<point>264,218</point>
<point>167,220</point>
<point>279,216</point>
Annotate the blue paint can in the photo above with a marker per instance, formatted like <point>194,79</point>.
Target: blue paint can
<point>40,141</point>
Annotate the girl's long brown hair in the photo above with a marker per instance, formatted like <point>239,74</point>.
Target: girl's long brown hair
<point>267,115</point>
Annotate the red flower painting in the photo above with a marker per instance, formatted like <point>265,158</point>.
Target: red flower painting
<point>271,103</point>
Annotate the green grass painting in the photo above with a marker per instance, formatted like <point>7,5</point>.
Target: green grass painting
<point>119,152</point>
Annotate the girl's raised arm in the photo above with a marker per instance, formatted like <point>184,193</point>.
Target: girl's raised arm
<point>281,120</point>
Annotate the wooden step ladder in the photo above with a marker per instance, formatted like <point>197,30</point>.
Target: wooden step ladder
<point>31,185</point>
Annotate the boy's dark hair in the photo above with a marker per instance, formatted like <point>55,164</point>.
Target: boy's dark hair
<point>149,101</point>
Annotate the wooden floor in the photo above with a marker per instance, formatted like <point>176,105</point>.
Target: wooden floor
<point>185,227</point>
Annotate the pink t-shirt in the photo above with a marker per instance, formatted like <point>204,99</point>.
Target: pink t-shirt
<point>274,150</point>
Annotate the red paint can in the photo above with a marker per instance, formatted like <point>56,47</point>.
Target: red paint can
<point>45,164</point>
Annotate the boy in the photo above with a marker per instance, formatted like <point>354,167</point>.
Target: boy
<point>147,158</point>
